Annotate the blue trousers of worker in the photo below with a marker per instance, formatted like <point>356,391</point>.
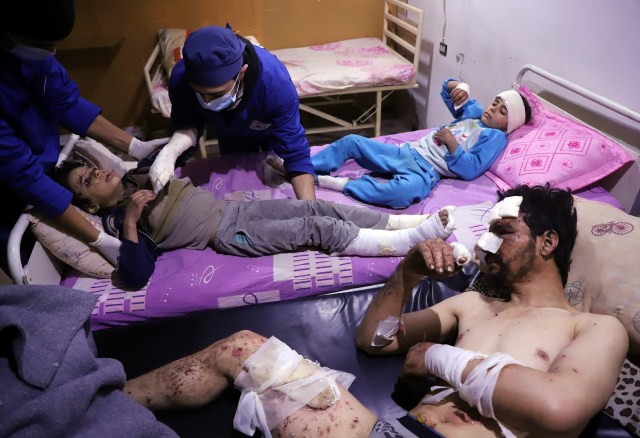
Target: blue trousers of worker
<point>412,177</point>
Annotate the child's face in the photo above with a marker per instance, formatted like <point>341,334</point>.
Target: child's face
<point>496,115</point>
<point>101,188</point>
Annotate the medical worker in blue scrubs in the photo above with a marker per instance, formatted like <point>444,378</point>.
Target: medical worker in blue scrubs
<point>36,97</point>
<point>243,91</point>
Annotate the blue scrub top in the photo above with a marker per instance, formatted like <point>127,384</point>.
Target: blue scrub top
<point>35,98</point>
<point>269,119</point>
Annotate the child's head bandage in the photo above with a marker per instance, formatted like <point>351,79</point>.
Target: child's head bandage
<point>276,382</point>
<point>515,109</point>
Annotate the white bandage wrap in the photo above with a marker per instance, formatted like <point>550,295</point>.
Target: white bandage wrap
<point>163,167</point>
<point>271,392</point>
<point>477,389</point>
<point>465,87</point>
<point>488,242</point>
<point>461,254</point>
<point>509,207</point>
<point>386,331</point>
<point>448,363</point>
<point>515,109</point>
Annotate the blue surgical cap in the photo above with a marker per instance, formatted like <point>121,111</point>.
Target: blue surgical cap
<point>212,56</point>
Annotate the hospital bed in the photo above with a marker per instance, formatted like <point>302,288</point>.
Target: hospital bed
<point>186,280</point>
<point>328,76</point>
<point>195,285</point>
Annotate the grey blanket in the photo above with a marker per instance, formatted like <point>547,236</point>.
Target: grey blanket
<point>51,383</point>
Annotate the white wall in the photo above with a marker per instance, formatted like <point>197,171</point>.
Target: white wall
<point>591,42</point>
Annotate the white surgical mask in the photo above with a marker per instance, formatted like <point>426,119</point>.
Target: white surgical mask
<point>30,53</point>
<point>222,102</point>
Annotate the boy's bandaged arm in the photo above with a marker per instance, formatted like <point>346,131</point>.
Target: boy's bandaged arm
<point>162,169</point>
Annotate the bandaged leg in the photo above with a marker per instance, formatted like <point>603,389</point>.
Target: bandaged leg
<point>398,242</point>
<point>336,183</point>
<point>404,221</point>
<point>277,381</point>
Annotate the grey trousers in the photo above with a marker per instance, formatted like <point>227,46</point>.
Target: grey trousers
<point>281,225</point>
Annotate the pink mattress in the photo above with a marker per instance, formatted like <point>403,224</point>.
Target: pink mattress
<point>187,280</point>
<point>344,65</point>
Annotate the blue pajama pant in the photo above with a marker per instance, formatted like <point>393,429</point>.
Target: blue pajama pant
<point>412,177</point>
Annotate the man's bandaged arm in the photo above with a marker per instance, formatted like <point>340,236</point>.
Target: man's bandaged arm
<point>576,387</point>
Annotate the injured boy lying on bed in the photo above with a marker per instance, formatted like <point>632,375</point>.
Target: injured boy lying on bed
<point>185,216</point>
<point>464,149</point>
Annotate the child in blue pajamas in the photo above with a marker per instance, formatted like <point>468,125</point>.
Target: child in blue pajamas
<point>465,149</point>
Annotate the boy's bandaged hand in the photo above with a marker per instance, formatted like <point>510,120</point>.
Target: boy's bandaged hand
<point>162,169</point>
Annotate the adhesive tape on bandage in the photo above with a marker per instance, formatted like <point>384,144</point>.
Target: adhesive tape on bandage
<point>386,331</point>
<point>477,389</point>
<point>509,207</point>
<point>515,109</point>
<point>465,87</point>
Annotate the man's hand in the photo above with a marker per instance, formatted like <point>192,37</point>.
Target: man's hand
<point>141,149</point>
<point>433,258</point>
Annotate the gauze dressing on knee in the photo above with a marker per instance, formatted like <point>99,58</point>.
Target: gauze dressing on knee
<point>277,381</point>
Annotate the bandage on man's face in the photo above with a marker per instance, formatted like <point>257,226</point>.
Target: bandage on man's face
<point>489,242</point>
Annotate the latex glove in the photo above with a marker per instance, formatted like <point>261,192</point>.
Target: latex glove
<point>163,167</point>
<point>109,246</point>
<point>141,149</point>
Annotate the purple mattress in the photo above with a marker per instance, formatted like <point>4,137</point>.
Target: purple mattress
<point>188,280</point>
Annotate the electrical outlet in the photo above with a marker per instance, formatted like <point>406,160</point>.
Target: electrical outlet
<point>443,49</point>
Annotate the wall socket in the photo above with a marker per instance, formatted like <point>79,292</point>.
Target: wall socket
<point>443,49</point>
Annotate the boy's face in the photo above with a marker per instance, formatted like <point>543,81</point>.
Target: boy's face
<point>496,115</point>
<point>101,188</point>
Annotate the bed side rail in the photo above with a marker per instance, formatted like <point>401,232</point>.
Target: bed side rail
<point>42,267</point>
<point>584,92</point>
<point>402,25</point>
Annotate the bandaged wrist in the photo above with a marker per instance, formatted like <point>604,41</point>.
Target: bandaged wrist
<point>478,388</point>
<point>448,362</point>
<point>465,87</point>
